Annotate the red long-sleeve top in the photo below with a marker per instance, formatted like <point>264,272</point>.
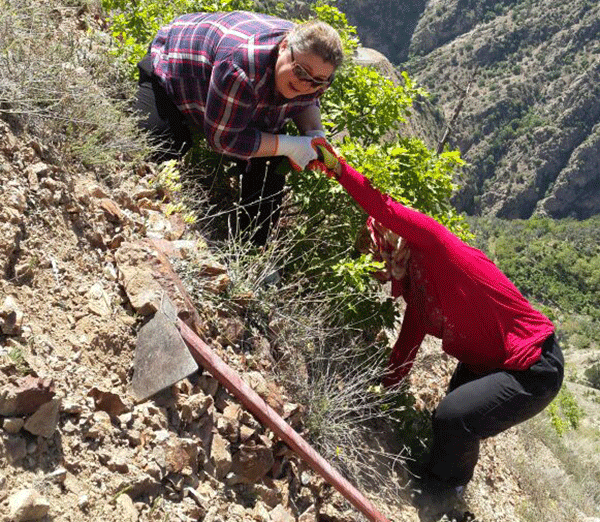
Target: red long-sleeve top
<point>453,292</point>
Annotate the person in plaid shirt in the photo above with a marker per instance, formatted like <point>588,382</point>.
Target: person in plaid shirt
<point>238,78</point>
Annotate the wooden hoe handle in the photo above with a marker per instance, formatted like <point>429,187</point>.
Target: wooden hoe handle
<point>269,417</point>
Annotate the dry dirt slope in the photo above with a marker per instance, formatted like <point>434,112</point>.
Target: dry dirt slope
<point>69,333</point>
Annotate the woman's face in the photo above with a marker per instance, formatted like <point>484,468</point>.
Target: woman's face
<point>297,74</point>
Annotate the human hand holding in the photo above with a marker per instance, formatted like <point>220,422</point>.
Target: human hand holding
<point>328,157</point>
<point>299,150</point>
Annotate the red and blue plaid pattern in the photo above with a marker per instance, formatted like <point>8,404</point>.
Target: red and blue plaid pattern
<point>219,70</point>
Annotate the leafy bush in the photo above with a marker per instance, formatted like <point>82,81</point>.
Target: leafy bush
<point>366,108</point>
<point>134,24</point>
<point>365,105</point>
<point>592,374</point>
<point>405,169</point>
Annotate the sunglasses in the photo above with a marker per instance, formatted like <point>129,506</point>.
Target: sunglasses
<point>304,76</point>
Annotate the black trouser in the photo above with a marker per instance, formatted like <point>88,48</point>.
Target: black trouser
<point>168,129</point>
<point>480,406</point>
<point>261,179</point>
<point>261,191</point>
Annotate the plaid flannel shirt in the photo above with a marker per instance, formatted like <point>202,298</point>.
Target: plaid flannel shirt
<point>219,70</point>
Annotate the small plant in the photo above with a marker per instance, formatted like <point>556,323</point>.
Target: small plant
<point>168,178</point>
<point>565,413</point>
<point>17,357</point>
<point>33,262</point>
<point>592,374</point>
<point>168,181</point>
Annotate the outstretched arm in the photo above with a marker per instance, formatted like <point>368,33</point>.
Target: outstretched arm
<point>417,228</point>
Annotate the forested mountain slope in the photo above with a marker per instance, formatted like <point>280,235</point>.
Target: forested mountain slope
<point>530,124</point>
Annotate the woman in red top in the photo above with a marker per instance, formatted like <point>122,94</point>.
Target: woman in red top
<point>510,365</point>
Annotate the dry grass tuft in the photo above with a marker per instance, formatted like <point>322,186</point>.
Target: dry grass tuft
<point>58,82</point>
<point>329,368</point>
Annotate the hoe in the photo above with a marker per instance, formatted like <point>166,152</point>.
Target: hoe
<point>167,351</point>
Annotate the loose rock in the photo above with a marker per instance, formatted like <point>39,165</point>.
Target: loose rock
<point>44,421</point>
<point>27,505</point>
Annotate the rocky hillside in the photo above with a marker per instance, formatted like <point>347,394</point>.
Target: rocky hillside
<point>530,124</point>
<point>87,251</point>
<point>84,266</point>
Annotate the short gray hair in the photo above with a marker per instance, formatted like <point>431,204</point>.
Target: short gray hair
<point>319,38</point>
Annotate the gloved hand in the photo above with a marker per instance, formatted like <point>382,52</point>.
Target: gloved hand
<point>298,149</point>
<point>328,158</point>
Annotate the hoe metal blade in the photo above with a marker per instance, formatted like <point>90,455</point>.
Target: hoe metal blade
<point>161,357</point>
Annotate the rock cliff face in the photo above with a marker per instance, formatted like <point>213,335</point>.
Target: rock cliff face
<point>530,125</point>
<point>385,25</point>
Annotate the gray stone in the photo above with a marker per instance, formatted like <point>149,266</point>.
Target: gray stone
<point>310,515</point>
<point>15,448</point>
<point>13,425</point>
<point>11,317</point>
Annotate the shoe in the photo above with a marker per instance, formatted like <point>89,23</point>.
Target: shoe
<point>431,493</point>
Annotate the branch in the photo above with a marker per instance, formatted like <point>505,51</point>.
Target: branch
<point>450,125</point>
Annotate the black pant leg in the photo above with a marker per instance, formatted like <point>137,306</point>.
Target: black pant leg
<point>477,407</point>
<point>262,181</point>
<point>168,129</point>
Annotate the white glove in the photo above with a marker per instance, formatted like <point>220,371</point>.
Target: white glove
<point>298,149</point>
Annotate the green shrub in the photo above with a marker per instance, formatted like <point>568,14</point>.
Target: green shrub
<point>565,413</point>
<point>592,374</point>
<point>405,169</point>
<point>367,106</point>
<point>134,24</point>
